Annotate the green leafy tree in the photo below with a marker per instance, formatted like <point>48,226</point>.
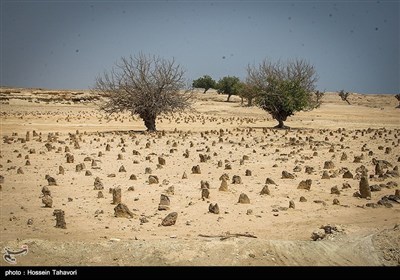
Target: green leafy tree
<point>229,85</point>
<point>205,82</point>
<point>284,88</point>
<point>144,85</point>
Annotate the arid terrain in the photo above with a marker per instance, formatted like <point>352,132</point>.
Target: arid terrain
<point>290,183</point>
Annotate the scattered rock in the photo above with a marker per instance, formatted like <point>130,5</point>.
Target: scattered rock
<point>153,179</point>
<point>47,200</point>
<point>79,167</point>
<point>170,219</point>
<point>164,200</point>
<point>335,190</point>
<point>98,185</point>
<point>170,190</point>
<point>302,199</point>
<point>346,186</point>
<point>318,234</point>
<point>122,211</point>
<point>305,184</point>
<point>196,169</point>
<point>244,199</point>
<point>116,196</point>
<point>122,169</point>
<point>50,180</point>
<point>224,185</point>
<point>236,179</point>
<point>320,202</point>
<point>184,176</point>
<point>291,204</point>
<point>364,189</point>
<point>269,181</point>
<point>161,161</point>
<point>375,188</point>
<point>287,175</point>
<point>336,201</point>
<point>265,190</point>
<point>329,165</point>
<point>205,194</point>
<point>347,175</point>
<point>325,175</point>
<point>204,184</point>
<point>213,208</point>
<point>60,218</point>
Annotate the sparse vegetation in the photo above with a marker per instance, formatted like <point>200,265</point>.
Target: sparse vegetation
<point>249,92</point>
<point>284,87</point>
<point>146,86</point>
<point>344,96</point>
<point>398,99</point>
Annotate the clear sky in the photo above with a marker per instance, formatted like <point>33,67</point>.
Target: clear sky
<point>354,45</point>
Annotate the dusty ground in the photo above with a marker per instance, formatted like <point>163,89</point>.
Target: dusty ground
<point>367,129</point>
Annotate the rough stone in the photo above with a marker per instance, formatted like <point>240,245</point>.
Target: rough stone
<point>287,175</point>
<point>153,179</point>
<point>329,165</point>
<point>116,196</point>
<point>265,190</point>
<point>364,189</point>
<point>98,185</point>
<point>335,190</point>
<point>213,208</point>
<point>244,199</point>
<point>305,184</point>
<point>170,219</point>
<point>347,175</point>
<point>122,211</point>
<point>60,218</point>
<point>205,193</point>
<point>236,179</point>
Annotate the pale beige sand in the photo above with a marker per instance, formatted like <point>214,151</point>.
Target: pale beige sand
<point>283,239</point>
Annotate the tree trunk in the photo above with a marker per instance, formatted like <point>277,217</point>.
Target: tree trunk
<point>280,124</point>
<point>205,90</point>
<point>229,96</point>
<point>249,102</point>
<point>150,122</point>
<point>347,101</point>
<point>241,101</point>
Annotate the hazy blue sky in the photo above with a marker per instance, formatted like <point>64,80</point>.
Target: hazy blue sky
<point>354,45</point>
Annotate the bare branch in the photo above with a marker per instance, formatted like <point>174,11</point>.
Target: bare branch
<point>144,85</point>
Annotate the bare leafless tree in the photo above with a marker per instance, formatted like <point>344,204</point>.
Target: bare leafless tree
<point>344,96</point>
<point>144,85</point>
<point>249,92</point>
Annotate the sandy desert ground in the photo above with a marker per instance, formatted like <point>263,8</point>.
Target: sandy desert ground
<point>323,157</point>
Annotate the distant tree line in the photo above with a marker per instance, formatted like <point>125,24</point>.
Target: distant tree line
<point>280,88</point>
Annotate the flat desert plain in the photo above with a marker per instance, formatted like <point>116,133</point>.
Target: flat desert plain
<point>284,197</point>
